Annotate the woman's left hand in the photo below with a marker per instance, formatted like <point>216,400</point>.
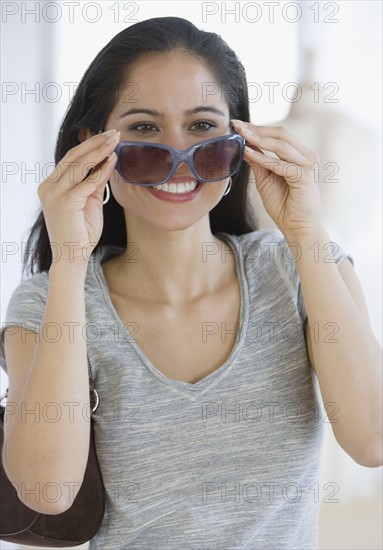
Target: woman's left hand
<point>286,183</point>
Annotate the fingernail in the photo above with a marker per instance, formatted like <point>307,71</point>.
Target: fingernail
<point>109,132</point>
<point>113,137</point>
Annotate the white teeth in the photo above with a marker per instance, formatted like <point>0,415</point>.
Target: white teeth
<point>177,188</point>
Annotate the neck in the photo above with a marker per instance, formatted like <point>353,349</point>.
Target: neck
<point>173,267</point>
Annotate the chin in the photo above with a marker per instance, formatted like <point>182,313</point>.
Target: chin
<point>175,224</point>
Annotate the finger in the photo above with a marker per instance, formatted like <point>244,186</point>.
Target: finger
<point>284,150</point>
<point>253,147</point>
<point>290,171</point>
<point>278,132</point>
<point>88,163</point>
<point>95,183</point>
<point>76,164</point>
<point>101,172</point>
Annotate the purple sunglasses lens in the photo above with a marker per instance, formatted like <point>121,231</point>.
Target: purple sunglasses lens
<point>217,161</point>
<point>145,164</point>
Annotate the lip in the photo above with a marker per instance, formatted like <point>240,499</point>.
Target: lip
<point>175,197</point>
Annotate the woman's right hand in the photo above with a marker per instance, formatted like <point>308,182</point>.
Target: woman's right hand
<point>73,203</point>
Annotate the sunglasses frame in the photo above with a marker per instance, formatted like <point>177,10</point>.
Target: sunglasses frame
<point>185,155</point>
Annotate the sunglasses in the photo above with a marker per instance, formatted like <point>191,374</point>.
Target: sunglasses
<point>143,163</point>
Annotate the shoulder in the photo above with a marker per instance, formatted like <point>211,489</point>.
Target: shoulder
<point>25,308</point>
<point>262,240</point>
<point>37,285</point>
<point>267,249</point>
<point>33,286</point>
<point>262,249</point>
<point>27,301</point>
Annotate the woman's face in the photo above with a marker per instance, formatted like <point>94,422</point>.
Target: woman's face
<point>171,99</point>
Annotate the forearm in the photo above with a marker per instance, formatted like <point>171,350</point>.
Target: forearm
<point>47,437</point>
<point>345,351</point>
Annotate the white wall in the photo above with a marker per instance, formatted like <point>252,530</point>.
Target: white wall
<point>28,133</point>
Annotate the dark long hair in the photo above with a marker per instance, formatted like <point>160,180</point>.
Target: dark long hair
<point>96,96</point>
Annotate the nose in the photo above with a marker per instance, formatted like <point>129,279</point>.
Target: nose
<point>179,142</point>
<point>181,162</point>
<point>175,138</point>
<point>183,167</point>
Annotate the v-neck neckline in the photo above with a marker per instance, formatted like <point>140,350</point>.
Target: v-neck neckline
<point>192,390</point>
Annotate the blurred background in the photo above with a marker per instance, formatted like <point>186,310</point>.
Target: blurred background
<point>314,67</point>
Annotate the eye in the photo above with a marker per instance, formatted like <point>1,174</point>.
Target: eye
<point>143,127</point>
<point>203,125</point>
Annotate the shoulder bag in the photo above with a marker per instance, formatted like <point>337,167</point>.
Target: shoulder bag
<point>22,525</point>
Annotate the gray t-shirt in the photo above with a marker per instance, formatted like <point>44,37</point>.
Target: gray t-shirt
<point>230,462</point>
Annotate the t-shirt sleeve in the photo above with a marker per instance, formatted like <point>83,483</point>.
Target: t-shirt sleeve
<point>25,308</point>
<point>288,266</point>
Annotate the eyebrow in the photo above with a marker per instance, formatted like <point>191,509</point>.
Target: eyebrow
<point>189,112</point>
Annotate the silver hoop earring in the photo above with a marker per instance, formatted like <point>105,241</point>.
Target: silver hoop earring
<point>107,194</point>
<point>228,188</point>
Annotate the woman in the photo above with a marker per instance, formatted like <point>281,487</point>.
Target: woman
<point>203,333</point>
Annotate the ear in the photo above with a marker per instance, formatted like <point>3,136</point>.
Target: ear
<point>83,134</point>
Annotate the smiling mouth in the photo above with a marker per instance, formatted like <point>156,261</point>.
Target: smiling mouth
<point>177,188</point>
